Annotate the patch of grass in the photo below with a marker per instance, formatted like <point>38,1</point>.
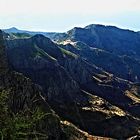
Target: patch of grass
<point>21,125</point>
<point>68,53</point>
<point>21,35</point>
<point>40,52</point>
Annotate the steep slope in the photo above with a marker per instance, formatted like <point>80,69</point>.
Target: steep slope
<point>112,39</point>
<point>42,66</point>
<point>25,114</point>
<point>24,97</point>
<point>121,47</point>
<point>16,33</point>
<point>113,49</point>
<point>121,66</point>
<point>40,58</point>
<point>64,77</point>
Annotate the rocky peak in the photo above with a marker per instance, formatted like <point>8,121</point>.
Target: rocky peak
<point>41,38</point>
<point>12,30</point>
<point>91,26</point>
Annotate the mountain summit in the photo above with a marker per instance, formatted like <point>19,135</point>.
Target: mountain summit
<point>12,30</point>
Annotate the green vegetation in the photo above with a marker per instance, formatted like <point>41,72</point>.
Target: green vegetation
<point>42,53</point>
<point>68,53</point>
<point>21,35</point>
<point>21,125</point>
<point>4,117</point>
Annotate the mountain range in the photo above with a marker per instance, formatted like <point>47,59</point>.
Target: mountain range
<point>88,76</point>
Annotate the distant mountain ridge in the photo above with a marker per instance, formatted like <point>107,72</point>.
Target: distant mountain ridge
<point>15,30</point>
<point>54,35</point>
<point>118,43</point>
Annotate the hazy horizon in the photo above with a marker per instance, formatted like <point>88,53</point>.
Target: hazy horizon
<point>34,30</point>
<point>62,15</point>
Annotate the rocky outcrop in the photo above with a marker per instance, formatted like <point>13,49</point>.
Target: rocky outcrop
<point>134,138</point>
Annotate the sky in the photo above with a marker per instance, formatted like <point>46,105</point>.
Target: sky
<point>63,15</point>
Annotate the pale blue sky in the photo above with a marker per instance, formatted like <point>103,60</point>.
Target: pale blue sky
<point>62,15</point>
